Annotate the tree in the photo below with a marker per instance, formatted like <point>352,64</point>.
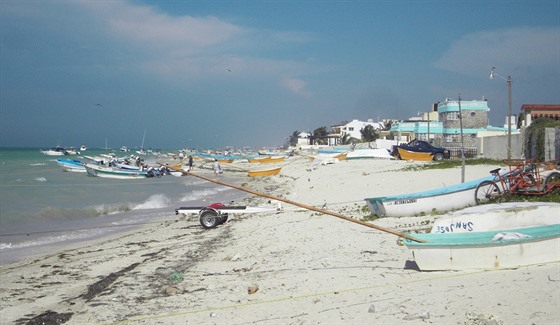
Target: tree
<point>369,134</point>
<point>293,140</point>
<point>387,126</point>
<point>345,138</point>
<point>320,134</point>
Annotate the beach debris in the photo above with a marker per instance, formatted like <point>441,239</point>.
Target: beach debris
<point>170,291</point>
<point>49,317</point>
<point>252,289</point>
<point>99,286</point>
<point>420,315</point>
<point>478,318</point>
<point>176,276</point>
<point>213,315</point>
<point>371,309</point>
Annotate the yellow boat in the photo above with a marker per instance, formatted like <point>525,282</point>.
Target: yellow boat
<point>414,155</point>
<point>268,172</point>
<point>225,161</point>
<point>266,160</point>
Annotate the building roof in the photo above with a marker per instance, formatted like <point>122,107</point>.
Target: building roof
<point>540,107</point>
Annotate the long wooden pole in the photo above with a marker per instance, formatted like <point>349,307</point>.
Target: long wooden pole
<point>301,205</point>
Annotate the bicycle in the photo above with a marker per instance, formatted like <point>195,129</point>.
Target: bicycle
<point>524,177</point>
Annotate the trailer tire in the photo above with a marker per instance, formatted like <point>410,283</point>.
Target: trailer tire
<point>210,218</point>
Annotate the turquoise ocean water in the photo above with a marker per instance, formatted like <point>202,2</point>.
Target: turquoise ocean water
<point>43,208</point>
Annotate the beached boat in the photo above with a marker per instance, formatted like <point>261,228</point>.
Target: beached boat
<point>491,217</point>
<point>71,165</point>
<point>365,153</point>
<point>266,160</point>
<point>111,172</point>
<point>56,151</point>
<point>441,199</point>
<point>267,172</point>
<point>415,155</point>
<point>498,249</point>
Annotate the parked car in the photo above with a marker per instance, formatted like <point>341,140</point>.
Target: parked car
<point>421,147</point>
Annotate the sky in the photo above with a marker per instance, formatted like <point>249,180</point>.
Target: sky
<point>212,74</point>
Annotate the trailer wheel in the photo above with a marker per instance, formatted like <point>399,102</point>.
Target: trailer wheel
<point>223,218</point>
<point>210,219</point>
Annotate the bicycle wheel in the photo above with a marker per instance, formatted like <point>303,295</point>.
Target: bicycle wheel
<point>486,191</point>
<point>551,182</point>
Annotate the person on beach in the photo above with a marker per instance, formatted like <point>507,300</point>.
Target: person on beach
<point>190,162</point>
<point>217,169</point>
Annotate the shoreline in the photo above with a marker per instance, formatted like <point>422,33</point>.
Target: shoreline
<point>308,267</point>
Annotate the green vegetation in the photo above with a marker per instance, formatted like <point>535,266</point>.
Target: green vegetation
<point>535,137</point>
<point>444,164</point>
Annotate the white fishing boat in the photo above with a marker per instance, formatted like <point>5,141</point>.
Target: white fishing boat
<point>117,173</point>
<point>56,151</point>
<point>83,148</point>
<point>441,199</point>
<point>490,217</point>
<point>488,250</point>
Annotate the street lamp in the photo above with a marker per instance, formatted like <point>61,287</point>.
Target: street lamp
<point>508,80</point>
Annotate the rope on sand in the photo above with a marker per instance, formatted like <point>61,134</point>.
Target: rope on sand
<point>301,205</point>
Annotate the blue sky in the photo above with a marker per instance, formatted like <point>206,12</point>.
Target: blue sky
<point>249,73</point>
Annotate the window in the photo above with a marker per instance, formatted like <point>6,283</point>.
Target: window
<point>452,116</point>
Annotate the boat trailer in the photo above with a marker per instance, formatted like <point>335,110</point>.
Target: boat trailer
<point>216,214</point>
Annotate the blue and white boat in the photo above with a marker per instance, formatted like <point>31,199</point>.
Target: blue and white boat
<point>490,217</point>
<point>71,165</point>
<point>118,173</point>
<point>488,250</point>
<point>441,199</point>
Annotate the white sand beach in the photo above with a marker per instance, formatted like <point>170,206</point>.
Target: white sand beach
<point>289,267</point>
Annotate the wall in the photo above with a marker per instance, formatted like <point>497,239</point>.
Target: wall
<point>496,147</point>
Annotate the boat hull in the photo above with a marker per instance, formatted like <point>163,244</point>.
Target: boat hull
<point>268,172</point>
<point>491,217</point>
<point>266,160</point>
<point>478,250</point>
<point>412,155</point>
<point>109,172</point>
<point>71,165</point>
<point>441,199</point>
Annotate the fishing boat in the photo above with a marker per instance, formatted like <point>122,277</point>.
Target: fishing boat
<point>441,199</point>
<point>488,250</point>
<point>491,217</point>
<point>415,155</point>
<point>56,151</point>
<point>366,153</point>
<point>266,172</point>
<point>266,160</point>
<point>83,148</point>
<point>118,173</point>
<point>71,165</point>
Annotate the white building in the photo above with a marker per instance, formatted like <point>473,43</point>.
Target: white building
<point>353,128</point>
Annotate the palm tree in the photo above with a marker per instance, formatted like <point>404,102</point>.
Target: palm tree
<point>345,138</point>
<point>320,134</point>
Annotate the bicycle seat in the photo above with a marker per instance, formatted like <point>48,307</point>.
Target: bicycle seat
<point>495,171</point>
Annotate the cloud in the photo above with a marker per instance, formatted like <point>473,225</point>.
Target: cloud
<point>510,49</point>
<point>296,86</point>
<point>146,27</point>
